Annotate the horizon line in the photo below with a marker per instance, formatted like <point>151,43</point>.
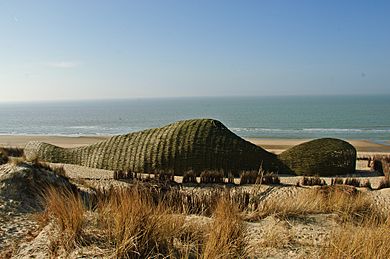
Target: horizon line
<point>187,97</point>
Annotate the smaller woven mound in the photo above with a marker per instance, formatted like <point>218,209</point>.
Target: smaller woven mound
<point>322,157</point>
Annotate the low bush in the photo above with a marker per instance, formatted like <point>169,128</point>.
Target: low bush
<point>248,177</point>
<point>270,179</point>
<point>119,175</point>
<point>253,177</point>
<point>189,177</point>
<point>352,182</point>
<point>312,181</point>
<point>211,177</point>
<point>164,175</point>
<point>336,181</point>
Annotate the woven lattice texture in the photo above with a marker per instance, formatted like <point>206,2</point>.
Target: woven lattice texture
<point>322,157</point>
<point>198,145</point>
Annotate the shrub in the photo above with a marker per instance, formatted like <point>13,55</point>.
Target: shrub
<point>270,179</point>
<point>336,181</point>
<point>119,175</point>
<point>164,175</point>
<point>311,181</point>
<point>189,177</point>
<point>253,177</point>
<point>352,182</point>
<point>211,177</point>
<point>248,177</point>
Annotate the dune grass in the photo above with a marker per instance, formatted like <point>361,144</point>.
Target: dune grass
<point>67,210</point>
<point>132,223</point>
<point>368,240</point>
<point>346,203</point>
<point>144,221</point>
<point>226,235</point>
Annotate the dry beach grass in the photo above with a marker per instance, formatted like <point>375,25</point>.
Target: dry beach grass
<point>141,222</point>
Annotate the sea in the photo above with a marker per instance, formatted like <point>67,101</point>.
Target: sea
<point>294,117</point>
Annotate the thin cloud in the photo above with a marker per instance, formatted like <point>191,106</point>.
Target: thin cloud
<point>63,64</point>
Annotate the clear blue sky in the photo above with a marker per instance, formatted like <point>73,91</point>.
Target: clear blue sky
<point>125,49</point>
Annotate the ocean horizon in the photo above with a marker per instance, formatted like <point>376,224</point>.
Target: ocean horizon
<point>285,117</point>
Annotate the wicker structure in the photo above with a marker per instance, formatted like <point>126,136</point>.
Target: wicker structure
<point>197,145</point>
<point>322,157</point>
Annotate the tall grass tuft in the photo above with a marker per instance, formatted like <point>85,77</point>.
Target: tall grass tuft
<point>226,234</point>
<point>137,226</point>
<point>348,203</point>
<point>369,240</point>
<point>66,208</point>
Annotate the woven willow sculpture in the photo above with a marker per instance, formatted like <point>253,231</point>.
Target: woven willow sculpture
<point>197,145</point>
<point>322,157</point>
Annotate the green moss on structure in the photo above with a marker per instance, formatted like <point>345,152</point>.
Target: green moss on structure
<point>322,157</point>
<point>198,145</point>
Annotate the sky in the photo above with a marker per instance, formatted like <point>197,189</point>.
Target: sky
<point>71,49</point>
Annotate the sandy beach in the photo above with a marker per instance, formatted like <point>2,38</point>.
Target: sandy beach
<point>62,141</point>
<point>272,145</point>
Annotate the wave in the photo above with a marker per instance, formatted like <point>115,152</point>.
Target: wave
<point>310,130</point>
<point>84,130</point>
